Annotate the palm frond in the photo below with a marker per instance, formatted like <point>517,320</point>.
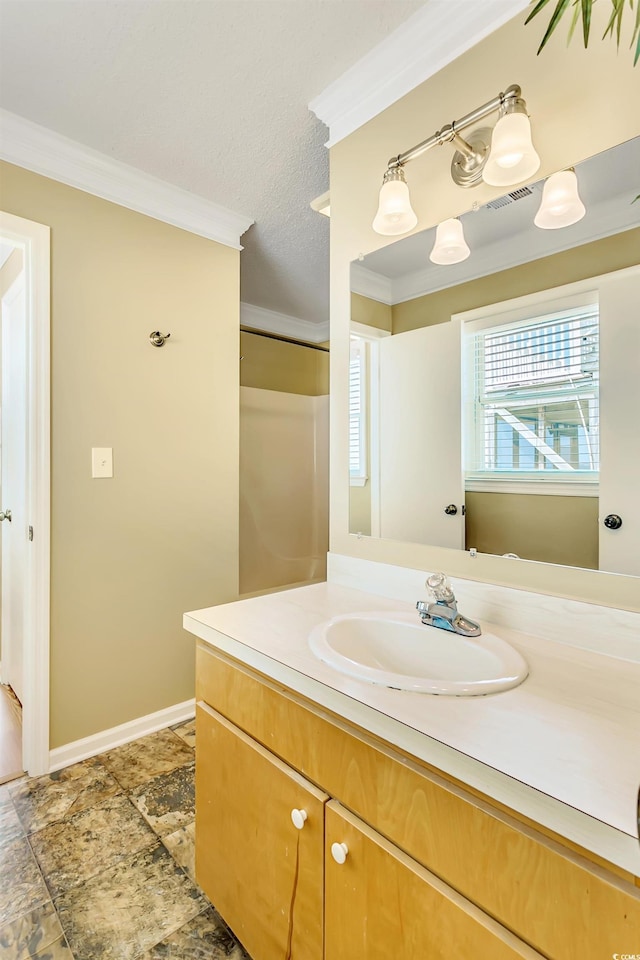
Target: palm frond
<point>555,20</point>
<point>582,11</point>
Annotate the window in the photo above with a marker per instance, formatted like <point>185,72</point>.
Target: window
<point>531,403</point>
<point>357,413</point>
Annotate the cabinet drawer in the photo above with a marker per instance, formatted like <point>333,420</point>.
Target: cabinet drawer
<point>263,875</point>
<point>557,901</point>
<point>379,903</point>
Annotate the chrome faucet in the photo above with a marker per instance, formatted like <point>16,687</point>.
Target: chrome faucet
<point>442,612</point>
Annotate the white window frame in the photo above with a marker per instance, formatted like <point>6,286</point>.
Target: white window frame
<point>567,297</point>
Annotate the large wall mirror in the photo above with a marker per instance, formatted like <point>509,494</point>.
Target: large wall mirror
<point>495,401</point>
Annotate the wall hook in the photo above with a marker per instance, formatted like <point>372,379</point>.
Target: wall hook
<point>158,339</point>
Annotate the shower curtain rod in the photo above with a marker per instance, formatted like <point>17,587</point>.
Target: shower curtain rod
<point>275,336</point>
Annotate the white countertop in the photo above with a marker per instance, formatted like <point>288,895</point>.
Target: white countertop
<point>562,748</point>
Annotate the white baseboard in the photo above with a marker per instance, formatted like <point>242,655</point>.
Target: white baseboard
<point>114,737</point>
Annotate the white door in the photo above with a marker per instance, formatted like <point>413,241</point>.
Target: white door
<point>619,422</point>
<point>420,430</point>
<point>14,483</point>
<point>26,472</point>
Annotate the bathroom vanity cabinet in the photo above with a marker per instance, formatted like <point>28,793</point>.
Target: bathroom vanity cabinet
<point>429,868</point>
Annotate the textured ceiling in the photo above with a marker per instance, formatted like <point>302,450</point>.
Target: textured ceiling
<point>210,95</point>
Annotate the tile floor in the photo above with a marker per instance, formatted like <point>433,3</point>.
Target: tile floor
<point>97,860</point>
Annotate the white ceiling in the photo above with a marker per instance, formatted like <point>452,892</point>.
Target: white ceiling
<point>209,95</point>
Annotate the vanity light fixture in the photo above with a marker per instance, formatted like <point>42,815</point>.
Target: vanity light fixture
<point>512,155</point>
<point>561,204</point>
<point>450,245</point>
<point>395,214</point>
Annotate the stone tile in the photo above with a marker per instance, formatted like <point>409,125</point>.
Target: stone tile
<point>22,888</point>
<point>187,731</point>
<point>168,802</point>
<point>31,934</point>
<point>134,763</point>
<point>204,938</point>
<point>76,849</point>
<point>10,826</point>
<point>182,847</point>
<point>124,911</point>
<point>55,951</point>
<point>43,800</point>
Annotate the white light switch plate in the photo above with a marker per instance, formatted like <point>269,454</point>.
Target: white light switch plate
<point>101,461</point>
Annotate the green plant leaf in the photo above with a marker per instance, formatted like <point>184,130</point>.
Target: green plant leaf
<point>587,6</point>
<point>577,9</point>
<point>582,10</point>
<point>553,23</point>
<point>615,20</point>
<point>635,37</point>
<point>538,7</point>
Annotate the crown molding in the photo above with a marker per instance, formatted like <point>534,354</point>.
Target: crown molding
<point>43,151</point>
<point>434,36</point>
<point>259,318</point>
<point>370,284</point>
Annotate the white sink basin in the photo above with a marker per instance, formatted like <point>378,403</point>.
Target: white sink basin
<point>396,650</point>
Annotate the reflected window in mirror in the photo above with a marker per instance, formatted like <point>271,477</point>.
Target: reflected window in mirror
<point>531,398</point>
<point>358,412</point>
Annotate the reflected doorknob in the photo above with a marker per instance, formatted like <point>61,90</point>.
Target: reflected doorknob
<point>5,515</point>
<point>612,521</point>
<point>451,510</point>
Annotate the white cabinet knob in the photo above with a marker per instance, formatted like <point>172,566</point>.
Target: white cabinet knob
<point>339,852</point>
<point>298,817</point>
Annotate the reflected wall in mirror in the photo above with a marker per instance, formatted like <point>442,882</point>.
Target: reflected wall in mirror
<point>495,402</point>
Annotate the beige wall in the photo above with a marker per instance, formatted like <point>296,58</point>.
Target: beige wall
<point>370,312</point>
<point>554,529</point>
<point>282,365</point>
<point>577,110</point>
<point>130,554</point>
<point>589,260</point>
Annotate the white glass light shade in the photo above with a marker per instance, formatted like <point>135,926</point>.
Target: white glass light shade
<point>561,206</point>
<point>513,157</point>
<point>450,245</point>
<point>395,214</point>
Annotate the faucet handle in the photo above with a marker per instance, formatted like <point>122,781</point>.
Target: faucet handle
<point>440,588</point>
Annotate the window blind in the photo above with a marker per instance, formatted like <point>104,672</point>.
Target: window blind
<point>357,451</point>
<point>531,406</point>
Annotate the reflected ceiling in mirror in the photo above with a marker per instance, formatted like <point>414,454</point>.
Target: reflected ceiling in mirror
<point>502,234</point>
<point>413,484</point>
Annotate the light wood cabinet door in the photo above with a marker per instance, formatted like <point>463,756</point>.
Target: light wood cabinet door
<point>379,903</point>
<point>262,873</point>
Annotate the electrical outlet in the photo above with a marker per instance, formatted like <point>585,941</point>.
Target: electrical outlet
<point>101,461</point>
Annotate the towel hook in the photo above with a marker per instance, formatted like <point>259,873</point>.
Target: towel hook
<point>158,339</point>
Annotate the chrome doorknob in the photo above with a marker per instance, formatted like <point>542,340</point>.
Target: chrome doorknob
<point>612,521</point>
<point>5,515</point>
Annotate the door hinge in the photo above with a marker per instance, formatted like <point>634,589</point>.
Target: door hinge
<point>30,532</point>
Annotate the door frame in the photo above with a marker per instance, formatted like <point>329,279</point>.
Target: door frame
<point>34,239</point>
